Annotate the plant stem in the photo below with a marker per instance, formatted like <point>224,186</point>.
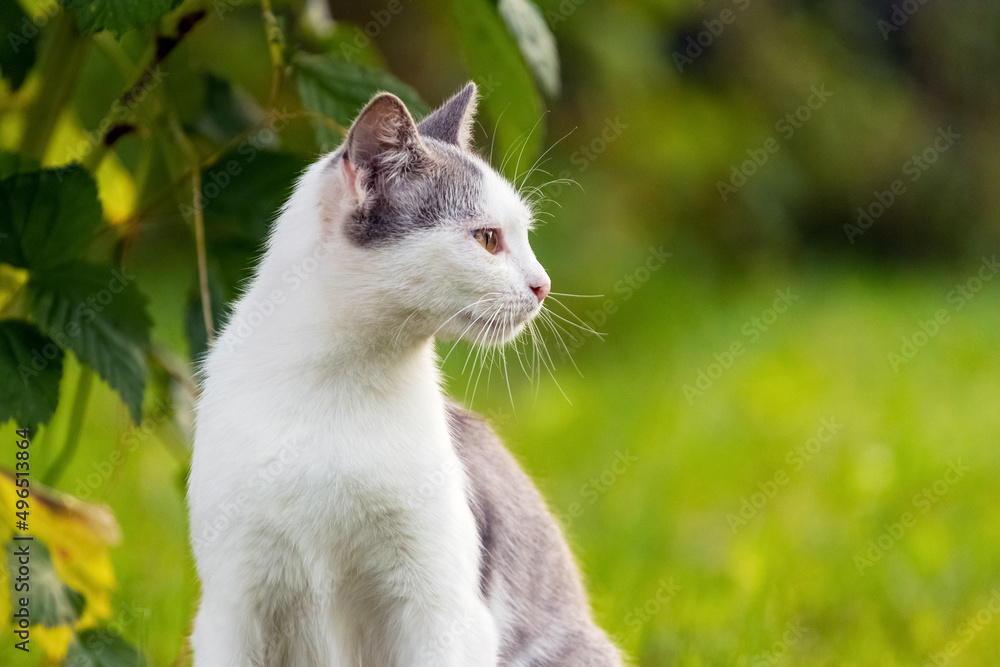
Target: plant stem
<point>80,398</point>
<point>199,240</point>
<point>59,71</point>
<point>276,45</point>
<point>199,226</point>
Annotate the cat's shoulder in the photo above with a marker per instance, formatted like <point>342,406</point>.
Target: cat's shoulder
<point>472,433</point>
<point>492,468</point>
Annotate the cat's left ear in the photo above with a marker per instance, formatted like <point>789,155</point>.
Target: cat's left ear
<point>452,121</point>
<point>382,145</point>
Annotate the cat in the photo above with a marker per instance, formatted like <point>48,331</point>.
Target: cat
<point>344,512</point>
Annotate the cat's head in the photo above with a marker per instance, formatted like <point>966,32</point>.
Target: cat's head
<point>441,235</point>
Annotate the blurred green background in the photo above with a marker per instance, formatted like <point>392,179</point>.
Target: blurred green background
<point>782,449</point>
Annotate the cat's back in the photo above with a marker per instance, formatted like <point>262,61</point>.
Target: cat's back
<point>527,573</point>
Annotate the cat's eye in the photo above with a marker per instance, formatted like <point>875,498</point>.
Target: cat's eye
<point>488,238</point>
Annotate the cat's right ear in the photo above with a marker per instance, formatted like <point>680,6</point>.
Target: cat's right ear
<point>382,145</point>
<point>452,122</point>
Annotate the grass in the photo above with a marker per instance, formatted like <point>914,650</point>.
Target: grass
<point>649,480</point>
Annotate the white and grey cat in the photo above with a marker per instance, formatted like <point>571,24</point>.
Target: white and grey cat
<point>344,512</point>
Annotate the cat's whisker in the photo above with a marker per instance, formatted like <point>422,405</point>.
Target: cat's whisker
<point>471,324</point>
<point>564,181</point>
<point>537,161</point>
<point>537,194</point>
<point>492,358</point>
<point>490,331</point>
<point>473,349</point>
<point>578,323</point>
<point>524,145</point>
<point>549,364</point>
<point>506,371</point>
<point>581,296</point>
<point>581,327</point>
<point>513,147</point>
<point>552,374</point>
<point>399,332</point>
<point>533,361</point>
<point>518,342</point>
<point>496,127</point>
<point>554,327</point>
<point>455,344</point>
<point>481,336</point>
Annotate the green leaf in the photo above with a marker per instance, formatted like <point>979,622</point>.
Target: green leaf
<point>194,318</point>
<point>97,312</point>
<point>99,647</point>
<point>47,217</point>
<point>15,163</point>
<point>241,194</point>
<point>338,89</point>
<point>507,92</point>
<point>53,603</point>
<point>18,50</point>
<point>538,46</point>
<point>118,16</point>
<point>30,369</point>
<point>227,112</point>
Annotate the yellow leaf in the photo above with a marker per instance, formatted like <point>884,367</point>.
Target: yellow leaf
<point>78,536</point>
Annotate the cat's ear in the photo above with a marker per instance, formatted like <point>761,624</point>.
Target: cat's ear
<point>383,144</point>
<point>452,121</point>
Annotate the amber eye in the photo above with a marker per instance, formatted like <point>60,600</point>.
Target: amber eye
<point>487,238</point>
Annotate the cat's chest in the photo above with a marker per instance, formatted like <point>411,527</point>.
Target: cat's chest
<point>345,458</point>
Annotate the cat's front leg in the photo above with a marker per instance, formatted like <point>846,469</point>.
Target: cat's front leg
<point>218,639</point>
<point>438,617</point>
<point>462,637</point>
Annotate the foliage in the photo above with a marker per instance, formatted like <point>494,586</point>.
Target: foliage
<point>70,578</point>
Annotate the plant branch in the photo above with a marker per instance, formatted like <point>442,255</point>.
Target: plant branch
<point>80,398</point>
<point>199,225</point>
<point>59,70</point>
<point>199,240</point>
<point>211,159</point>
<point>276,45</point>
<point>148,78</point>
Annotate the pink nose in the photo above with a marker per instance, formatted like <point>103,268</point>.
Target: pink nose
<point>541,291</point>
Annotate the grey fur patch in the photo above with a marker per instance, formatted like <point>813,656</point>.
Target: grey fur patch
<point>452,121</point>
<point>527,572</point>
<point>446,185</point>
<point>414,177</point>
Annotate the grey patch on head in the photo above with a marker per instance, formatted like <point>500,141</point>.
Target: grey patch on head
<point>414,177</point>
<point>447,185</point>
<point>451,122</point>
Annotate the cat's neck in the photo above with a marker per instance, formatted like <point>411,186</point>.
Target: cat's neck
<point>290,323</point>
<point>302,334</point>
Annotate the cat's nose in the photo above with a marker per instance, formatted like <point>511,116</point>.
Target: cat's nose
<point>541,291</point>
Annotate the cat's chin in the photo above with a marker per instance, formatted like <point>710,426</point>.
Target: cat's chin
<point>493,332</point>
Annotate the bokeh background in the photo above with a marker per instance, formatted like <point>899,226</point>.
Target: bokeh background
<point>781,218</point>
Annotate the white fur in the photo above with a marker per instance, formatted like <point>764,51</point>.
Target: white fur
<point>324,485</point>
